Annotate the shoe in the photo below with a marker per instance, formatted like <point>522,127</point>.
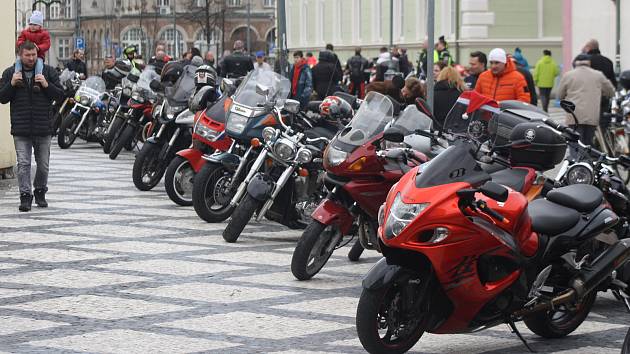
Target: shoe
<point>37,88</point>
<point>26,200</point>
<point>40,197</point>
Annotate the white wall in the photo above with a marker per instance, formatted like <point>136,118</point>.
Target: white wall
<point>7,41</point>
<point>625,35</point>
<point>594,19</point>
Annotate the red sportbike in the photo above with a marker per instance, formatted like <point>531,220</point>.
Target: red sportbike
<point>208,136</point>
<point>463,253</point>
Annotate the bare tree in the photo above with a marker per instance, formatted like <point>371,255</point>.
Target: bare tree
<point>207,14</point>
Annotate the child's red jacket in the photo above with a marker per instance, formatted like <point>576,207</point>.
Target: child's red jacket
<point>41,39</point>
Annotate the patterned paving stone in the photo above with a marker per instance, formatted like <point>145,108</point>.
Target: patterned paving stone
<point>114,230</point>
<point>336,306</point>
<point>249,324</point>
<point>173,267</point>
<point>36,237</point>
<point>98,307</point>
<point>145,247</point>
<point>128,341</point>
<point>13,324</point>
<point>321,281</point>
<point>52,255</point>
<point>213,292</point>
<point>70,278</point>
<point>5,293</point>
<point>269,258</point>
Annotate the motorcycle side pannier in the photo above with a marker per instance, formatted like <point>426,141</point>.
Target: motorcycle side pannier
<point>533,144</point>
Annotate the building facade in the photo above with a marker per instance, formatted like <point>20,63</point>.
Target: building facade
<point>108,26</point>
<point>467,25</point>
<point>7,58</point>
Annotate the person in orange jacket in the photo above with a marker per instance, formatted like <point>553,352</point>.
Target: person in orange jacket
<point>502,81</point>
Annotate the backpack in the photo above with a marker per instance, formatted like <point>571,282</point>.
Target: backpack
<point>356,69</point>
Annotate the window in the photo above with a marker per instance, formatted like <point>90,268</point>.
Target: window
<point>55,10</point>
<point>168,38</point>
<point>201,3</point>
<point>163,3</point>
<point>118,3</point>
<point>234,3</point>
<point>63,48</point>
<point>215,41</point>
<point>133,36</point>
<point>269,3</point>
<point>67,9</point>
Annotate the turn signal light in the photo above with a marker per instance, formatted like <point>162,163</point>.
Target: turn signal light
<point>255,142</point>
<point>226,104</point>
<point>303,172</point>
<point>357,165</point>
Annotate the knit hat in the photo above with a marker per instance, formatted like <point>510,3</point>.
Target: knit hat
<point>37,18</point>
<point>497,54</point>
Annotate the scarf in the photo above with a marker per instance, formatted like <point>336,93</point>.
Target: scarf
<point>297,70</point>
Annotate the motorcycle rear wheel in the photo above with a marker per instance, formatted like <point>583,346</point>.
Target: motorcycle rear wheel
<point>66,136</point>
<point>561,321</point>
<point>147,169</point>
<point>240,218</point>
<point>209,199</point>
<point>313,250</point>
<point>114,132</point>
<point>356,251</point>
<point>178,181</point>
<point>625,349</point>
<point>376,312</point>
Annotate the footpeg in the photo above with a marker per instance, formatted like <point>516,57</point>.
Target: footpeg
<point>571,260</point>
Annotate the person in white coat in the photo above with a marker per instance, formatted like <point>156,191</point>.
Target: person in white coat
<point>260,62</point>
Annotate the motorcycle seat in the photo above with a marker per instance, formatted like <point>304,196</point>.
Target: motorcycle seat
<point>581,197</point>
<point>550,218</point>
<point>511,177</point>
<point>320,132</point>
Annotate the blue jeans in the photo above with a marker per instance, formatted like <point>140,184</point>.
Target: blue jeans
<point>25,146</point>
<point>39,65</point>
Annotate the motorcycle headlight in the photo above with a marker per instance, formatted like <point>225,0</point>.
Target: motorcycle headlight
<point>304,155</point>
<point>400,215</point>
<point>268,134</point>
<point>136,96</point>
<point>336,157</point>
<point>236,123</point>
<point>285,149</point>
<point>84,100</point>
<point>580,173</point>
<point>206,132</point>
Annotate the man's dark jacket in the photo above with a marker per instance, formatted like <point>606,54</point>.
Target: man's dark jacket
<point>531,87</point>
<point>30,111</point>
<point>326,74</point>
<point>78,66</point>
<point>356,66</point>
<point>236,64</point>
<point>603,64</point>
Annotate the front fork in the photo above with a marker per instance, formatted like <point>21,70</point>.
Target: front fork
<point>243,186</point>
<point>109,128</point>
<point>83,118</point>
<point>284,177</point>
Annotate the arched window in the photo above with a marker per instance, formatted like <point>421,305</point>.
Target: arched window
<point>168,38</point>
<point>215,41</point>
<point>271,40</point>
<point>133,36</point>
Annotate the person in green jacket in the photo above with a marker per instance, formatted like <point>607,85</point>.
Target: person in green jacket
<point>545,73</point>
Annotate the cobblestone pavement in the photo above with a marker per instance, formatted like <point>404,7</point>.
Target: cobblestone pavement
<point>110,269</point>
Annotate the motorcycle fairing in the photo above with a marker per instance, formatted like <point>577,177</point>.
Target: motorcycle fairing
<point>194,157</point>
<point>227,159</point>
<point>330,212</point>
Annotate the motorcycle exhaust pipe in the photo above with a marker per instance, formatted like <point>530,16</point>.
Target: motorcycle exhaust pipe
<point>588,280</point>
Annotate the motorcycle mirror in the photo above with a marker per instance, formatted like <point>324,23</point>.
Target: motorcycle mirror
<point>568,106</point>
<point>262,90</point>
<point>494,191</point>
<point>292,106</point>
<point>394,134</point>
<point>398,82</point>
<point>155,85</point>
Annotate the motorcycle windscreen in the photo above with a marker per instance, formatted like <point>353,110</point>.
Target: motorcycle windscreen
<point>279,88</point>
<point>92,88</point>
<point>411,120</point>
<point>369,121</point>
<point>178,94</point>
<point>456,164</point>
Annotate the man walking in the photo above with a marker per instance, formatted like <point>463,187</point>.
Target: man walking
<point>502,81</point>
<point>585,87</point>
<point>30,121</point>
<point>545,74</point>
<point>356,67</point>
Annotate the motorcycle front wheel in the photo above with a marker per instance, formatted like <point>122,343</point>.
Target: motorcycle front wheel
<point>178,181</point>
<point>113,133</point>
<point>123,139</point>
<point>356,251</point>
<point>382,325</point>
<point>240,218</point>
<point>148,169</point>
<point>66,136</point>
<point>317,244</point>
<point>211,194</point>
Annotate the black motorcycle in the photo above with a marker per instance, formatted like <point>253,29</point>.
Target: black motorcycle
<point>70,82</point>
<point>169,135</point>
<point>119,116</point>
<point>253,107</point>
<point>291,188</point>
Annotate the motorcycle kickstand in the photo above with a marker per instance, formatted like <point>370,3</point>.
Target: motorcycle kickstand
<point>515,330</point>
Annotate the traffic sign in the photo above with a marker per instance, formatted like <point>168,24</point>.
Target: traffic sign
<point>79,43</point>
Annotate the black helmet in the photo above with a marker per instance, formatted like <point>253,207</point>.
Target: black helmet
<point>624,79</point>
<point>172,71</point>
<point>205,75</point>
